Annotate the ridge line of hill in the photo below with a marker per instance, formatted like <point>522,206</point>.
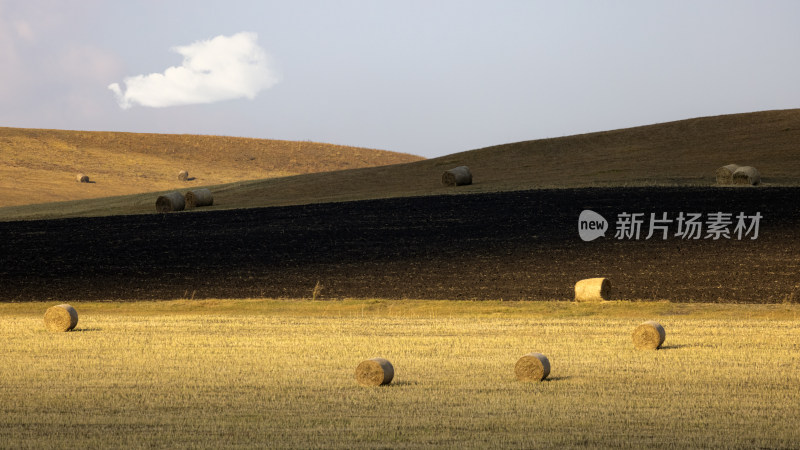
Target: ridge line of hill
<point>678,153</point>
<point>40,165</point>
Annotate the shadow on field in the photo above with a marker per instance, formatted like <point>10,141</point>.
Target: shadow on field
<point>521,245</point>
<point>561,378</point>
<point>78,330</point>
<point>402,383</point>
<point>675,346</point>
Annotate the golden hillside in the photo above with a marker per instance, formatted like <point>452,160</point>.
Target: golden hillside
<point>681,153</point>
<point>39,166</point>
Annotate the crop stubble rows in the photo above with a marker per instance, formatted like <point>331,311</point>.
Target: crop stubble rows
<point>512,246</point>
<point>207,380</point>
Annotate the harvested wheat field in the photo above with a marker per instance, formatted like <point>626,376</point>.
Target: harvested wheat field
<point>38,166</point>
<point>279,374</point>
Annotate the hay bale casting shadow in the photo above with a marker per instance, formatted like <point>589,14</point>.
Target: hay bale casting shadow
<point>532,367</point>
<point>183,175</point>
<point>374,372</point>
<point>82,178</point>
<point>60,318</point>
<point>172,201</point>
<point>458,176</point>
<point>746,175</point>
<point>649,336</point>
<point>592,290</point>
<point>199,197</point>
<point>725,174</point>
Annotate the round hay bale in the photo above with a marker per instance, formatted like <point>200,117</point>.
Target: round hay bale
<point>60,318</point>
<point>649,336</point>
<point>458,176</point>
<point>725,174</point>
<point>199,197</point>
<point>592,290</point>
<point>183,175</point>
<point>172,201</point>
<point>374,372</point>
<point>532,367</point>
<point>746,175</point>
<point>82,178</point>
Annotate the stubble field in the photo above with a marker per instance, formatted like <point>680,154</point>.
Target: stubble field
<point>279,374</point>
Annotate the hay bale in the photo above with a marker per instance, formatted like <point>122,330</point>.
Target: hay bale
<point>198,197</point>
<point>82,178</point>
<point>172,201</point>
<point>60,318</point>
<point>458,176</point>
<point>532,367</point>
<point>592,290</point>
<point>183,175</point>
<point>649,336</point>
<point>374,372</point>
<point>746,175</point>
<point>725,174</point>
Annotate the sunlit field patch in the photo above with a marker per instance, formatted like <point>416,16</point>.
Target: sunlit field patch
<point>266,373</point>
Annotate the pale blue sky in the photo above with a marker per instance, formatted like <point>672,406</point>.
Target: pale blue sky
<point>424,77</point>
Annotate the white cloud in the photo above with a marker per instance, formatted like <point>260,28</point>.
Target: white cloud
<point>222,68</point>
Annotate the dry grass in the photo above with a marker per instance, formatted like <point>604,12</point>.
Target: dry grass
<point>36,166</point>
<point>683,153</point>
<point>279,374</point>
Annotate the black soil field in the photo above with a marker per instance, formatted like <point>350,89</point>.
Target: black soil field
<point>510,246</point>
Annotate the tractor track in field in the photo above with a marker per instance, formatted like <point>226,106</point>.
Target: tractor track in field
<point>512,246</point>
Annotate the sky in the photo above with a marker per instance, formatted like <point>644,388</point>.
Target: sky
<point>424,77</point>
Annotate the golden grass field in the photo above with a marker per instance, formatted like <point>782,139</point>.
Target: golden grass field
<point>681,153</point>
<point>40,166</point>
<point>279,374</point>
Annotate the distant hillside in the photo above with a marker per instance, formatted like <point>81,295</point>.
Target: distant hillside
<point>685,152</point>
<point>39,166</point>
<point>682,153</point>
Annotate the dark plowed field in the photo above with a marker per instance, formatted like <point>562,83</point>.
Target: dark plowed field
<point>511,246</point>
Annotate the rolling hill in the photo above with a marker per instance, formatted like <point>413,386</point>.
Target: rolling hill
<point>680,153</point>
<point>38,166</point>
